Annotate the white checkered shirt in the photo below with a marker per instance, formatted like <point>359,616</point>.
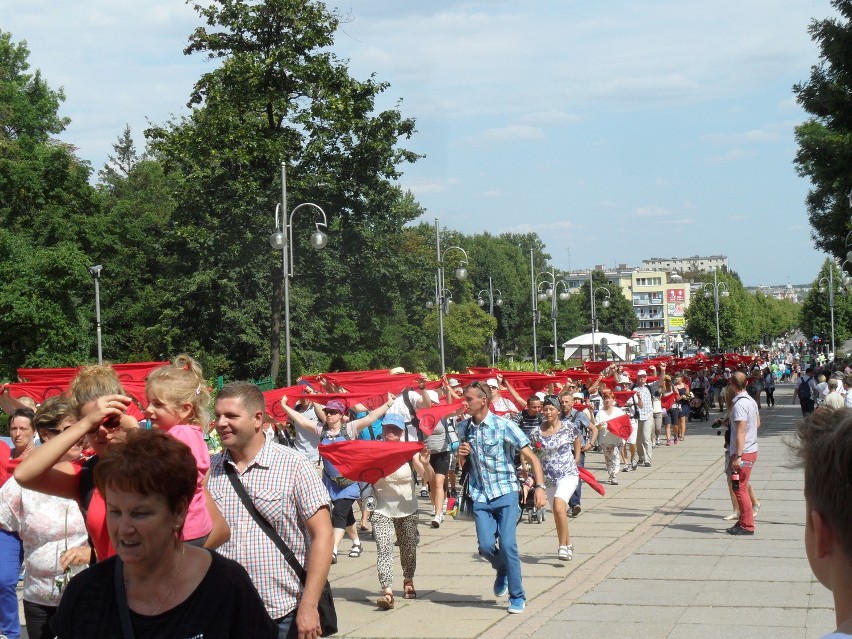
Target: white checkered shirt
<point>286,490</point>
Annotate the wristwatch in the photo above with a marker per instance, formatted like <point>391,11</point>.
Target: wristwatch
<point>542,486</point>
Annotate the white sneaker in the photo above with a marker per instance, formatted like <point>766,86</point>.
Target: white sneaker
<point>732,517</point>
<point>566,553</point>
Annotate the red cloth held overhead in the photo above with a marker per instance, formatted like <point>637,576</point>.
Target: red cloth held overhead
<point>368,460</point>
<point>429,417</point>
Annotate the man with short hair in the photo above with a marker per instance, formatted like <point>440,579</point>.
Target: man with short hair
<point>530,417</point>
<point>806,390</point>
<point>490,442</point>
<point>645,402</point>
<point>847,386</point>
<point>583,422</point>
<point>823,447</point>
<point>287,491</point>
<point>742,450</point>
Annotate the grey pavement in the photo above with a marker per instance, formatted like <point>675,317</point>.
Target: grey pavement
<point>651,558</point>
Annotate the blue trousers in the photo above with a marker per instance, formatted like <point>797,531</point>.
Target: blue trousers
<point>11,556</point>
<point>575,498</point>
<point>496,521</point>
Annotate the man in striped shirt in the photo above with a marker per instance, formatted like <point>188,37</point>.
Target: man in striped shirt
<point>490,442</point>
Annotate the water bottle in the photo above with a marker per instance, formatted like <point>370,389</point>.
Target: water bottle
<point>452,436</point>
<point>735,479</point>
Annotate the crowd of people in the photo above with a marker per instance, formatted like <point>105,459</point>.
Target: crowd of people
<point>127,531</point>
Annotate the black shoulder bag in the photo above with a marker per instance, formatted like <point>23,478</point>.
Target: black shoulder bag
<point>465,501</point>
<point>327,613</point>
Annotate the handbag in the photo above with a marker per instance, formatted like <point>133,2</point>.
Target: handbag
<point>465,501</point>
<point>325,607</point>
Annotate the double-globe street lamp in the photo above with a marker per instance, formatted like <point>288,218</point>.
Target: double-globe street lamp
<point>593,299</point>
<point>443,297</point>
<point>551,289</point>
<point>829,282</point>
<point>282,238</point>
<point>717,288</point>
<point>491,304</point>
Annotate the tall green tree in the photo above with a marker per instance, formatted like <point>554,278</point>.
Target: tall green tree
<point>619,317</point>
<point>278,95</point>
<point>46,211</point>
<point>815,317</point>
<point>736,313</point>
<point>825,140</point>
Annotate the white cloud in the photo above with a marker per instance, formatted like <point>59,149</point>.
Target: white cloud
<point>491,194</point>
<point>730,156</point>
<point>651,211</point>
<point>425,186</point>
<point>501,135</point>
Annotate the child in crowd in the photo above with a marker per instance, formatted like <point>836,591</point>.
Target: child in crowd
<point>823,448</point>
<point>177,404</point>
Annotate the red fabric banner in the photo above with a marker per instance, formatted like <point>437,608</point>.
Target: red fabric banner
<point>593,483</point>
<point>620,426</point>
<point>429,417</point>
<point>368,460</point>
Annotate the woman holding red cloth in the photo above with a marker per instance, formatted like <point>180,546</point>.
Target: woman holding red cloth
<point>100,407</point>
<point>671,408</point>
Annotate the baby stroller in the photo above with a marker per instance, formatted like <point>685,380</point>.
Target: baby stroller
<point>698,410</point>
<point>526,498</point>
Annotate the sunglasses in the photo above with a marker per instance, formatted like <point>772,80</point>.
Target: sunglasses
<point>331,411</point>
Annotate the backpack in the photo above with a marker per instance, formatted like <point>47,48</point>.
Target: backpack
<point>337,479</point>
<point>804,390</point>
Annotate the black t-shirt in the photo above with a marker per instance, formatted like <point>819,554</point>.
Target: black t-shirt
<point>225,605</point>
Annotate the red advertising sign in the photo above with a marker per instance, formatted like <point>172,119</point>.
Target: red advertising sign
<point>676,295</point>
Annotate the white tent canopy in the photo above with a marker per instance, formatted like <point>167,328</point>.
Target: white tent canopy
<point>617,346</point>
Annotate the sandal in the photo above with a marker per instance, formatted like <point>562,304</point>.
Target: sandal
<point>386,601</point>
<point>408,587</point>
<point>355,551</point>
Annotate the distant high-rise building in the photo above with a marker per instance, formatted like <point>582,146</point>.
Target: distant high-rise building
<point>694,264</point>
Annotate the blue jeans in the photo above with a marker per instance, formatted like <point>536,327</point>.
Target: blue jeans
<point>11,554</point>
<point>496,520</point>
<point>284,626</point>
<point>575,498</point>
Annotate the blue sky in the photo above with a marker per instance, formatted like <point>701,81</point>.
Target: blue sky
<point>617,131</point>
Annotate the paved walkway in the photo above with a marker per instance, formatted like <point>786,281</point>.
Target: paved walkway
<point>651,559</point>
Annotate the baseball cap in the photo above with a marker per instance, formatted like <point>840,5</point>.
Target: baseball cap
<point>492,382</point>
<point>641,372</point>
<point>452,381</point>
<point>336,404</point>
<point>578,396</point>
<point>393,420</point>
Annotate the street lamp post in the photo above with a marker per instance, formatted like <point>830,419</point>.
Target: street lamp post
<point>282,238</point>
<point>716,288</point>
<point>443,297</point>
<point>96,275</point>
<point>593,293</point>
<point>534,312</point>
<point>830,282</point>
<point>491,304</point>
<point>552,291</point>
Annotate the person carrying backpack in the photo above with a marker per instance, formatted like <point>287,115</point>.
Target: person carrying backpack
<point>805,390</point>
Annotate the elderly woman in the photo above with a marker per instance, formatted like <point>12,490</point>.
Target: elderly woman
<point>396,513</point>
<point>51,528</point>
<point>559,445</point>
<point>612,443</point>
<point>157,584</point>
